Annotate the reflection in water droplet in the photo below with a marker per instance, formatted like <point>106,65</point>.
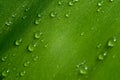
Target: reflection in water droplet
<point>70,3</point>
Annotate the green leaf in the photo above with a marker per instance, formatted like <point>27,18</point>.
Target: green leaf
<point>59,39</point>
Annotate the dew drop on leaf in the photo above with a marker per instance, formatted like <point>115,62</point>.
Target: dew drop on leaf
<point>35,58</point>
<point>5,73</point>
<point>22,73</point>
<point>99,45</point>
<point>37,21</point>
<point>70,3</point>
<point>53,14</point>
<point>39,15</point>
<point>4,58</point>
<point>26,63</point>
<point>111,0</point>
<point>18,42</point>
<point>111,42</point>
<point>31,47</point>
<point>37,35</point>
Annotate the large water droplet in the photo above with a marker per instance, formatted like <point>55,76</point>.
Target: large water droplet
<point>18,42</point>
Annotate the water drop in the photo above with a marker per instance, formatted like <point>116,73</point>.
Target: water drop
<point>46,45</point>
<point>24,17</point>
<point>13,16</point>
<point>39,15</point>
<point>4,58</point>
<point>111,0</point>
<point>18,42</point>
<point>99,9</point>
<point>112,42</point>
<point>27,9</point>
<point>27,63</point>
<point>75,0</point>
<point>22,73</point>
<point>35,58</point>
<point>37,35</point>
<point>59,3</point>
<point>70,3</point>
<point>82,34</point>
<point>53,14</point>
<point>83,70</point>
<point>37,21</point>
<point>66,15</point>
<point>99,4</point>
<point>101,57</point>
<point>5,73</point>
<point>31,47</point>
<point>8,23</point>
<point>99,45</point>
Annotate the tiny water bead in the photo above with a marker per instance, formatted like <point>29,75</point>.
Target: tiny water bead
<point>75,0</point>
<point>13,16</point>
<point>53,14</point>
<point>46,45</point>
<point>99,9</point>
<point>22,73</point>
<point>101,57</point>
<point>81,34</point>
<point>83,68</point>
<point>112,42</point>
<point>111,0</point>
<point>37,35</point>
<point>37,21</point>
<point>59,2</point>
<point>4,58</point>
<point>5,73</point>
<point>27,9</point>
<point>8,23</point>
<point>31,47</point>
<point>27,63</point>
<point>39,15</point>
<point>24,17</point>
<point>83,71</point>
<point>99,45</point>
<point>67,15</point>
<point>18,42</point>
<point>35,58</point>
<point>70,3</point>
<point>99,4</point>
